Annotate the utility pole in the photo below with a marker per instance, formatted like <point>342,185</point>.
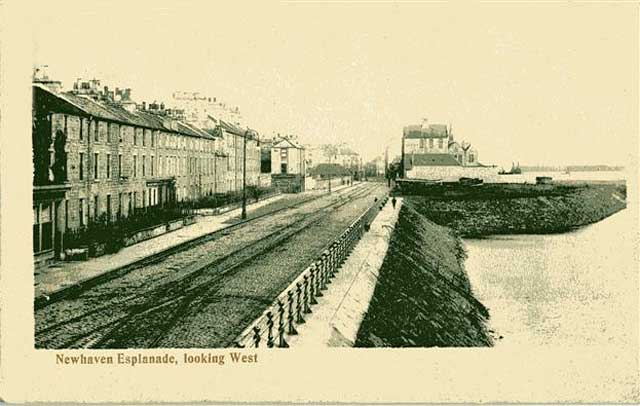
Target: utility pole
<point>402,158</point>
<point>244,176</point>
<point>330,169</point>
<point>386,166</point>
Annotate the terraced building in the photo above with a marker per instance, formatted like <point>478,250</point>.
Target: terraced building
<point>94,156</point>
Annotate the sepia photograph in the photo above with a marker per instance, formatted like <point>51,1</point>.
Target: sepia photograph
<point>214,183</point>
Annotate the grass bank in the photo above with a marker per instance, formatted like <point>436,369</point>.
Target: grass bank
<point>474,212</point>
<point>422,297</point>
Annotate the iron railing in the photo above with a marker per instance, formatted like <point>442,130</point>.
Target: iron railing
<point>288,310</point>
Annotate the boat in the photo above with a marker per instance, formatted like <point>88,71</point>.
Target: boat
<point>515,170</point>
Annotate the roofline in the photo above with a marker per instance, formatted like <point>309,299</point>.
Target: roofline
<point>61,96</point>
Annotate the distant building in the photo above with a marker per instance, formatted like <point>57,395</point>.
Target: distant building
<point>288,167</point>
<point>430,152</point>
<point>232,144</point>
<point>197,109</point>
<point>340,154</point>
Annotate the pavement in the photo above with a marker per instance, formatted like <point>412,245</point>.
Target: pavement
<point>63,274</point>
<point>336,319</point>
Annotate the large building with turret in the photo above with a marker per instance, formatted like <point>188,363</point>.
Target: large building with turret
<point>429,151</point>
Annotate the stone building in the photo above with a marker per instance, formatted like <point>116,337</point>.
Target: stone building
<point>96,157</point>
<point>340,154</point>
<point>231,139</point>
<point>437,139</point>
<point>197,109</point>
<point>288,168</point>
<point>429,151</point>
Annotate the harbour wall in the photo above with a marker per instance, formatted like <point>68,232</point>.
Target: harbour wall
<point>423,296</point>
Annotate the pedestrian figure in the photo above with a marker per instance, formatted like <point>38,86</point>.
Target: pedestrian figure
<point>393,202</point>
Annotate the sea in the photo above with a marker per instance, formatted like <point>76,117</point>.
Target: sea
<point>575,288</point>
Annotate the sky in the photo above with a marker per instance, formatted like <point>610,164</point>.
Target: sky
<point>547,84</point>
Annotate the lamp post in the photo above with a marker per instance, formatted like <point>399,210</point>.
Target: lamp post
<point>244,175</point>
<point>330,174</point>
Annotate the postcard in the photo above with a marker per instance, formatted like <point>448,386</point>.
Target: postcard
<point>310,202</point>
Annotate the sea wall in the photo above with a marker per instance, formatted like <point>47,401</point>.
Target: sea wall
<point>422,297</point>
<point>474,212</point>
<point>454,173</point>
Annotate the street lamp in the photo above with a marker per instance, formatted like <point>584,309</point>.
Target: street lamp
<point>244,175</point>
<point>330,155</point>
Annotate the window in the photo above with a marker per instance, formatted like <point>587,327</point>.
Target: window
<point>144,165</point>
<point>135,165</point>
<point>153,138</point>
<point>144,198</point>
<point>440,143</point>
<point>66,214</point>
<point>144,137</point>
<point>81,212</point>
<point>152,165</point>
<point>135,136</point>
<point>120,197</point>
<point>96,207</point>
<point>81,167</point>
<point>36,229</point>
<point>46,221</point>
<point>108,207</point>
<point>421,143</point>
<point>108,166</point>
<point>81,129</point>
<point>96,157</point>
<point>430,143</point>
<point>130,203</point>
<point>471,157</point>
<point>283,168</point>
<point>120,131</point>
<point>65,124</point>
<point>120,165</point>
<point>97,133</point>
<point>108,132</point>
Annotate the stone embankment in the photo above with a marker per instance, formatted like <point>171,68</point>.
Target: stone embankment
<point>423,296</point>
<point>474,212</point>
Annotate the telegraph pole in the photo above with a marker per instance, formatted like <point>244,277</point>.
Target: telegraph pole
<point>244,176</point>
<point>386,166</point>
<point>330,174</point>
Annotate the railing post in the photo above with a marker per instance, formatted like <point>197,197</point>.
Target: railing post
<point>323,267</point>
<point>256,336</point>
<point>342,253</point>
<point>292,330</point>
<point>307,309</point>
<point>269,330</point>
<point>327,266</point>
<point>318,278</point>
<point>313,282</point>
<point>299,319</point>
<point>334,258</point>
<point>281,341</point>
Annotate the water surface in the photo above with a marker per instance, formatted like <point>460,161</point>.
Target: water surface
<point>577,288</point>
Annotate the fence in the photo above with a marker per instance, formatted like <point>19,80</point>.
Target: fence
<point>290,307</point>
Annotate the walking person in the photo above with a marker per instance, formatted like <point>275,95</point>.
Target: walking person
<point>393,202</point>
